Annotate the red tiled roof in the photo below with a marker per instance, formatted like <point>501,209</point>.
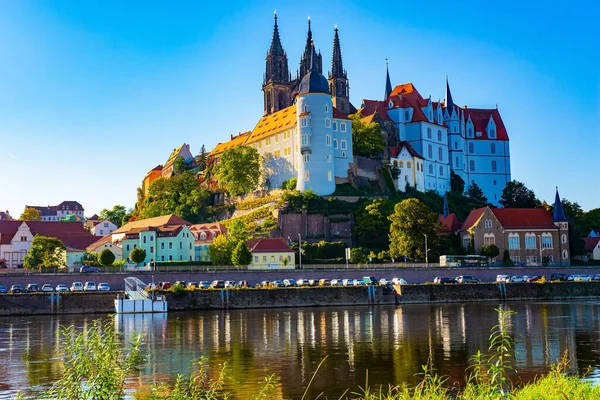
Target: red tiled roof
<point>395,150</point>
<point>337,114</point>
<point>371,107</point>
<point>94,217</point>
<point>71,234</point>
<point>590,243</point>
<point>514,218</point>
<point>267,245</point>
<point>481,117</point>
<point>8,229</point>
<point>451,222</point>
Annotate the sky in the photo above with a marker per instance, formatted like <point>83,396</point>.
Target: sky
<point>94,94</point>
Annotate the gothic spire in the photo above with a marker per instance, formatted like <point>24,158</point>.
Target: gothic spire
<point>449,102</point>
<point>559,212</point>
<point>310,52</point>
<point>276,47</point>
<point>337,68</point>
<point>388,82</point>
<point>446,208</point>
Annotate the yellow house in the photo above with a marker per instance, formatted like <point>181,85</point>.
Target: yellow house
<point>271,254</point>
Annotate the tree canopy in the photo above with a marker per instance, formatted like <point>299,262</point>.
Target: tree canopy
<point>45,252</point>
<point>371,222</point>
<point>516,195</point>
<point>137,255</point>
<point>457,184</point>
<point>238,170</point>
<point>107,258</point>
<point>220,251</point>
<point>366,138</point>
<point>114,215</point>
<point>30,214</point>
<point>476,194</point>
<point>411,221</point>
<point>201,159</point>
<point>241,255</point>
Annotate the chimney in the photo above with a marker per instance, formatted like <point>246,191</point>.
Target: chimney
<point>231,136</point>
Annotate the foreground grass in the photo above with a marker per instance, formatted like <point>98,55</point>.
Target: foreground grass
<point>97,362</point>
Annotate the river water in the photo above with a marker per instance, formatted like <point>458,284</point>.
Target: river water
<point>390,342</point>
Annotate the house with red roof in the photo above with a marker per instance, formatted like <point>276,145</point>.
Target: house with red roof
<point>16,238</point>
<point>204,235</point>
<point>271,253</point>
<point>450,222</point>
<point>407,167</point>
<point>532,236</point>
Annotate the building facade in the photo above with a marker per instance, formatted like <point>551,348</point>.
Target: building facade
<point>63,210</point>
<point>271,254</point>
<point>204,234</point>
<point>103,228</point>
<point>164,243</point>
<point>107,243</point>
<point>407,167</point>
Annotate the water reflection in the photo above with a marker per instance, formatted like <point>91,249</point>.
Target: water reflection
<point>390,342</point>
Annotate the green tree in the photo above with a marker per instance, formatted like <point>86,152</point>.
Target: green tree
<point>237,232</point>
<point>241,256</point>
<point>45,252</point>
<point>457,184</point>
<point>371,221</point>
<point>588,221</point>
<point>476,194</point>
<point>366,138</point>
<point>201,159</point>
<point>220,251</point>
<point>107,258</point>
<point>292,183</point>
<point>516,195</point>
<point>238,170</point>
<point>137,255</point>
<point>506,258</point>
<point>180,166</point>
<point>490,251</point>
<point>359,255</point>
<point>90,258</point>
<point>411,221</point>
<point>114,215</point>
<point>30,214</point>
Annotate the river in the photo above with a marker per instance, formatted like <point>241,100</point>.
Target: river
<point>390,342</point>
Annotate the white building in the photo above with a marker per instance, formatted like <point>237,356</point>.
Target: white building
<point>64,209</point>
<point>103,228</point>
<point>107,243</point>
<point>409,166</point>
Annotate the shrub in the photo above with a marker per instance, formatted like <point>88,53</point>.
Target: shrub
<point>177,289</point>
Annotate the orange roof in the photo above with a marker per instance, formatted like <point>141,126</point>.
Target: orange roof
<point>404,89</point>
<point>163,220</point>
<point>235,141</point>
<point>271,124</point>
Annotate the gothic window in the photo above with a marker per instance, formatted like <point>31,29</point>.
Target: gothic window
<point>440,154</point>
<point>489,239</point>
<point>401,164</point>
<point>493,148</point>
<point>546,241</point>
<point>565,254</point>
<point>471,148</point>
<point>530,241</point>
<point>344,144</point>
<point>563,238</point>
<point>430,169</point>
<point>492,133</point>
<point>428,133</point>
<point>343,126</point>
<point>439,135</point>
<point>335,143</point>
<point>430,151</point>
<point>493,166</point>
<point>408,165</point>
<point>472,165</point>
<point>513,241</point>
<point>281,101</point>
<point>327,123</point>
<point>470,132</point>
<point>328,140</point>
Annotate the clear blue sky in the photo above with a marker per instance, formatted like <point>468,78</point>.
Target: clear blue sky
<point>94,94</point>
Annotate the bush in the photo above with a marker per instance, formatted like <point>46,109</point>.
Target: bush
<point>137,255</point>
<point>107,258</point>
<point>324,250</point>
<point>177,289</point>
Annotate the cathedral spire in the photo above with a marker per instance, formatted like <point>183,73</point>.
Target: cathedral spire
<point>310,52</point>
<point>388,82</point>
<point>276,47</point>
<point>559,212</point>
<point>449,102</point>
<point>337,68</point>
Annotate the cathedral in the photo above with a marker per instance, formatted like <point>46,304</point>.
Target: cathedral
<point>305,131</point>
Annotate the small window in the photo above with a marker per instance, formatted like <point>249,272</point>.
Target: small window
<point>471,148</point>
<point>162,246</point>
<point>492,133</point>
<point>343,126</point>
<point>493,148</point>
<point>170,245</point>
<point>326,108</point>
<point>328,157</point>
<point>400,164</point>
<point>455,145</point>
<point>493,166</point>
<point>439,135</point>
<point>406,115</point>
<point>472,165</point>
<point>328,140</point>
<point>441,170</point>
<point>344,144</point>
<point>334,126</point>
<point>304,124</point>
<point>470,132</point>
<point>408,165</point>
<point>440,154</point>
<point>430,151</point>
<point>428,133</point>
<point>494,182</point>
<point>151,249</point>
<point>327,123</point>
<point>343,154</point>
<point>329,176</point>
<point>335,143</point>
<point>306,158</point>
<point>430,169</point>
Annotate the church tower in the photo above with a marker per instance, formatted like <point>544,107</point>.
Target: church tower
<point>560,220</point>
<point>338,78</point>
<point>306,57</point>
<point>277,87</point>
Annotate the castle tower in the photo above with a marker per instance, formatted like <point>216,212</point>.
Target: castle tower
<point>276,82</point>
<point>560,219</point>
<point>306,57</point>
<point>338,78</point>
<point>314,113</point>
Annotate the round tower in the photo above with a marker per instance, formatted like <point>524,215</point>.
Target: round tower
<point>314,113</point>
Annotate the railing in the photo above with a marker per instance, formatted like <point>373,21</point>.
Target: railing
<point>135,289</point>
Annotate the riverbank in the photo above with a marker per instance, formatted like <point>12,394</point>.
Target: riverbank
<point>97,302</point>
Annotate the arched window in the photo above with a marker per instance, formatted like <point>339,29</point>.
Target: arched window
<point>530,241</point>
<point>563,238</point>
<point>488,223</point>
<point>408,165</point>
<point>440,154</point>
<point>472,165</point>
<point>401,164</point>
<point>493,148</point>
<point>471,149</point>
<point>513,241</point>
<point>439,135</point>
<point>430,169</point>
<point>428,133</point>
<point>493,166</point>
<point>489,239</point>
<point>335,143</point>
<point>565,254</point>
<point>395,163</point>
<point>441,171</point>
<point>430,151</point>
<point>492,133</point>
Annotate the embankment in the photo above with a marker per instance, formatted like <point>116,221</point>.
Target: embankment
<point>86,303</point>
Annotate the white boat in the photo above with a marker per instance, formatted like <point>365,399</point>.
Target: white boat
<point>137,300</point>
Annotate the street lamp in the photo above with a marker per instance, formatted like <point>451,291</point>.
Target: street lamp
<point>300,251</point>
<point>426,252</point>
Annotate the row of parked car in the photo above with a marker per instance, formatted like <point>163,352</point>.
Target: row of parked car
<point>75,287</point>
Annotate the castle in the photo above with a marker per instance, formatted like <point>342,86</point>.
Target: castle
<point>305,131</point>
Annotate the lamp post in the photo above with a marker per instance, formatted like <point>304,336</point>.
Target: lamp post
<point>426,252</point>
<point>300,251</point>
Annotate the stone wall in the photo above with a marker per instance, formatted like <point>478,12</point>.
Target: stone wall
<point>316,227</point>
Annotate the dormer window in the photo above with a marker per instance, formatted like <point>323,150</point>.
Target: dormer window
<point>470,132</point>
<point>492,133</point>
<point>391,105</point>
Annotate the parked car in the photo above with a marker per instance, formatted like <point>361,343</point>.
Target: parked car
<point>203,285</point>
<point>571,278</point>
<point>265,284</point>
<point>289,283</point>
<point>277,283</point>
<point>164,285</point>
<point>399,281</point>
<point>3,289</point>
<point>192,285</point>
<point>229,284</point>
<point>90,287</point>
<point>302,282</point>
<point>536,278</point>
<point>347,282</point>
<point>324,282</point>
<point>467,279</point>
<point>559,277</point>
<point>384,281</point>
<point>16,289</point>
<point>243,284</point>
<point>370,280</point>
<point>47,288</point>
<point>32,288</point>
<point>444,280</point>
<point>517,278</point>
<point>62,288</point>
<point>89,268</point>
<point>336,282</point>
<point>103,287</point>
<point>583,278</point>
<point>358,282</point>
<point>216,284</point>
<point>182,283</point>
<point>77,287</point>
<point>596,277</point>
<point>313,282</point>
<point>503,278</point>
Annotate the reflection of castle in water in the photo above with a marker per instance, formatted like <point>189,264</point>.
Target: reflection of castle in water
<point>391,342</point>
